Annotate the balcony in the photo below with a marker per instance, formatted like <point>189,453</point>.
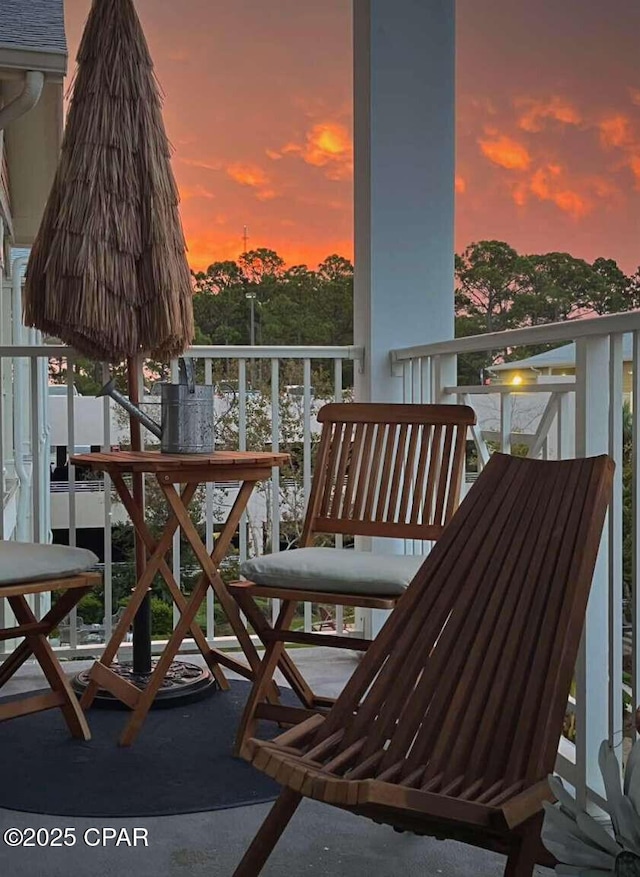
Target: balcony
<point>586,412</point>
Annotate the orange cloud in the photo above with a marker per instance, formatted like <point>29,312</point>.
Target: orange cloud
<point>207,164</point>
<point>461,185</point>
<point>634,94</point>
<point>604,188</point>
<point>327,145</point>
<point>519,193</point>
<point>634,164</point>
<point>538,112</point>
<point>547,185</point>
<point>506,152</point>
<point>188,192</point>
<point>252,176</point>
<point>247,175</point>
<point>615,131</point>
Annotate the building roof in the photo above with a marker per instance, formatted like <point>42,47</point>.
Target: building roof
<point>559,357</point>
<point>33,24</point>
<point>32,31</point>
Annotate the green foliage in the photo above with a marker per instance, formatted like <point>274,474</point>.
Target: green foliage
<point>91,608</point>
<point>295,305</point>
<point>499,289</point>
<point>161,618</point>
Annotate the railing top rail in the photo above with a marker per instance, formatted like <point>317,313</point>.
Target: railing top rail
<point>220,351</point>
<point>569,330</point>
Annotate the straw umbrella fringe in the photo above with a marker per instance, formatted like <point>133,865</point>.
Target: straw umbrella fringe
<point>108,272</point>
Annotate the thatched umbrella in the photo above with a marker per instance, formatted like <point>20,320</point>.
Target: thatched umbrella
<point>108,273</point>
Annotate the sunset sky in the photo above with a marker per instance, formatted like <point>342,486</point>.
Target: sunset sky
<point>258,107</point>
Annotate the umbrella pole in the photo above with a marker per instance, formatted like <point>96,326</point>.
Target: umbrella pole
<point>142,620</point>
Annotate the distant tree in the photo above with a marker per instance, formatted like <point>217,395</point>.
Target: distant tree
<point>498,289</point>
<point>260,265</point>
<point>612,290</point>
<point>292,306</point>
<point>489,278</point>
<point>218,276</point>
<point>557,287</point>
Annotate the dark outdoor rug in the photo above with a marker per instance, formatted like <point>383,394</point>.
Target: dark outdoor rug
<point>181,762</point>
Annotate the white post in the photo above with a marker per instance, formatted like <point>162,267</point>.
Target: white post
<point>404,152</point>
<point>404,141</point>
<point>592,672</point>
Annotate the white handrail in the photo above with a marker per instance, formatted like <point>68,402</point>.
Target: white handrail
<point>548,333</point>
<point>221,351</point>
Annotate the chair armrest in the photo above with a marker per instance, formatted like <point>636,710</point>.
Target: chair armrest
<point>524,805</point>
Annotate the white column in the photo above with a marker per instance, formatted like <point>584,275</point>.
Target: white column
<point>592,671</point>
<point>404,141</point>
<point>404,182</point>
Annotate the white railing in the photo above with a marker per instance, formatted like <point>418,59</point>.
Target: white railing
<point>575,417</point>
<point>281,412</point>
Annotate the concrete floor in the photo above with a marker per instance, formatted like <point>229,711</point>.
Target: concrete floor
<point>319,841</point>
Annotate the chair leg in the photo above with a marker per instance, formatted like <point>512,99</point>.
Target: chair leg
<point>523,856</point>
<point>268,834</point>
<point>286,665</point>
<point>41,649</point>
<point>263,679</point>
<point>22,653</point>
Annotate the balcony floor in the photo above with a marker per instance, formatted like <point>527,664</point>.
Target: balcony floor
<point>320,840</point>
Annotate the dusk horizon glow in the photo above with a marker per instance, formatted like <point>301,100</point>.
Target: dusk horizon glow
<point>258,107</point>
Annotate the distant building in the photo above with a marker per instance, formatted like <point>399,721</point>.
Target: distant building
<point>557,363</point>
<point>33,63</point>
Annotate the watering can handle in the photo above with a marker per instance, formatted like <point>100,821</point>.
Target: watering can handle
<point>187,372</point>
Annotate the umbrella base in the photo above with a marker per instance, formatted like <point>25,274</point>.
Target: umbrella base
<point>183,683</point>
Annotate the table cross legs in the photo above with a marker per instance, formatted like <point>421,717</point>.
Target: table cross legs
<point>101,675</point>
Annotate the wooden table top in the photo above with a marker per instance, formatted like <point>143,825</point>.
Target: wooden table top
<point>155,461</point>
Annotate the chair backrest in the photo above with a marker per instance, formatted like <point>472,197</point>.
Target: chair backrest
<point>385,469</point>
<point>465,688</point>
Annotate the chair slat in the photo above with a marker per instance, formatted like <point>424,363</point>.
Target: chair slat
<point>438,515</point>
<point>345,452</point>
<point>364,473</point>
<point>353,472</point>
<point>375,472</point>
<point>432,478</point>
<point>397,467</point>
<point>417,509</point>
<point>387,471</point>
<point>408,482</point>
<point>326,474</point>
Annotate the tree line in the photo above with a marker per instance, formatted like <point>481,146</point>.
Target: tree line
<point>496,288</point>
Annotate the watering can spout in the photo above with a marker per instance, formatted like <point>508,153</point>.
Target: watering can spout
<point>110,389</point>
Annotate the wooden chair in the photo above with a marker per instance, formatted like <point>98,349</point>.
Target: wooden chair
<point>26,569</point>
<point>450,725</point>
<point>381,470</point>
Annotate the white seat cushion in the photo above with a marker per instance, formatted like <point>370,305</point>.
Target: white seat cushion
<point>30,562</point>
<point>334,570</point>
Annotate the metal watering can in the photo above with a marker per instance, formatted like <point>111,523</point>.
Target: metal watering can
<point>188,416</point>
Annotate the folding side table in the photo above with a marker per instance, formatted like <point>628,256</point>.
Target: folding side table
<point>189,471</point>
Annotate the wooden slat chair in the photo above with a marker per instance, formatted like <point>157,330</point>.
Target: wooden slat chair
<point>382,469</point>
<point>25,569</point>
<point>450,725</point>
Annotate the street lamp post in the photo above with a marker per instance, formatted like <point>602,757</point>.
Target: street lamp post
<point>252,298</point>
